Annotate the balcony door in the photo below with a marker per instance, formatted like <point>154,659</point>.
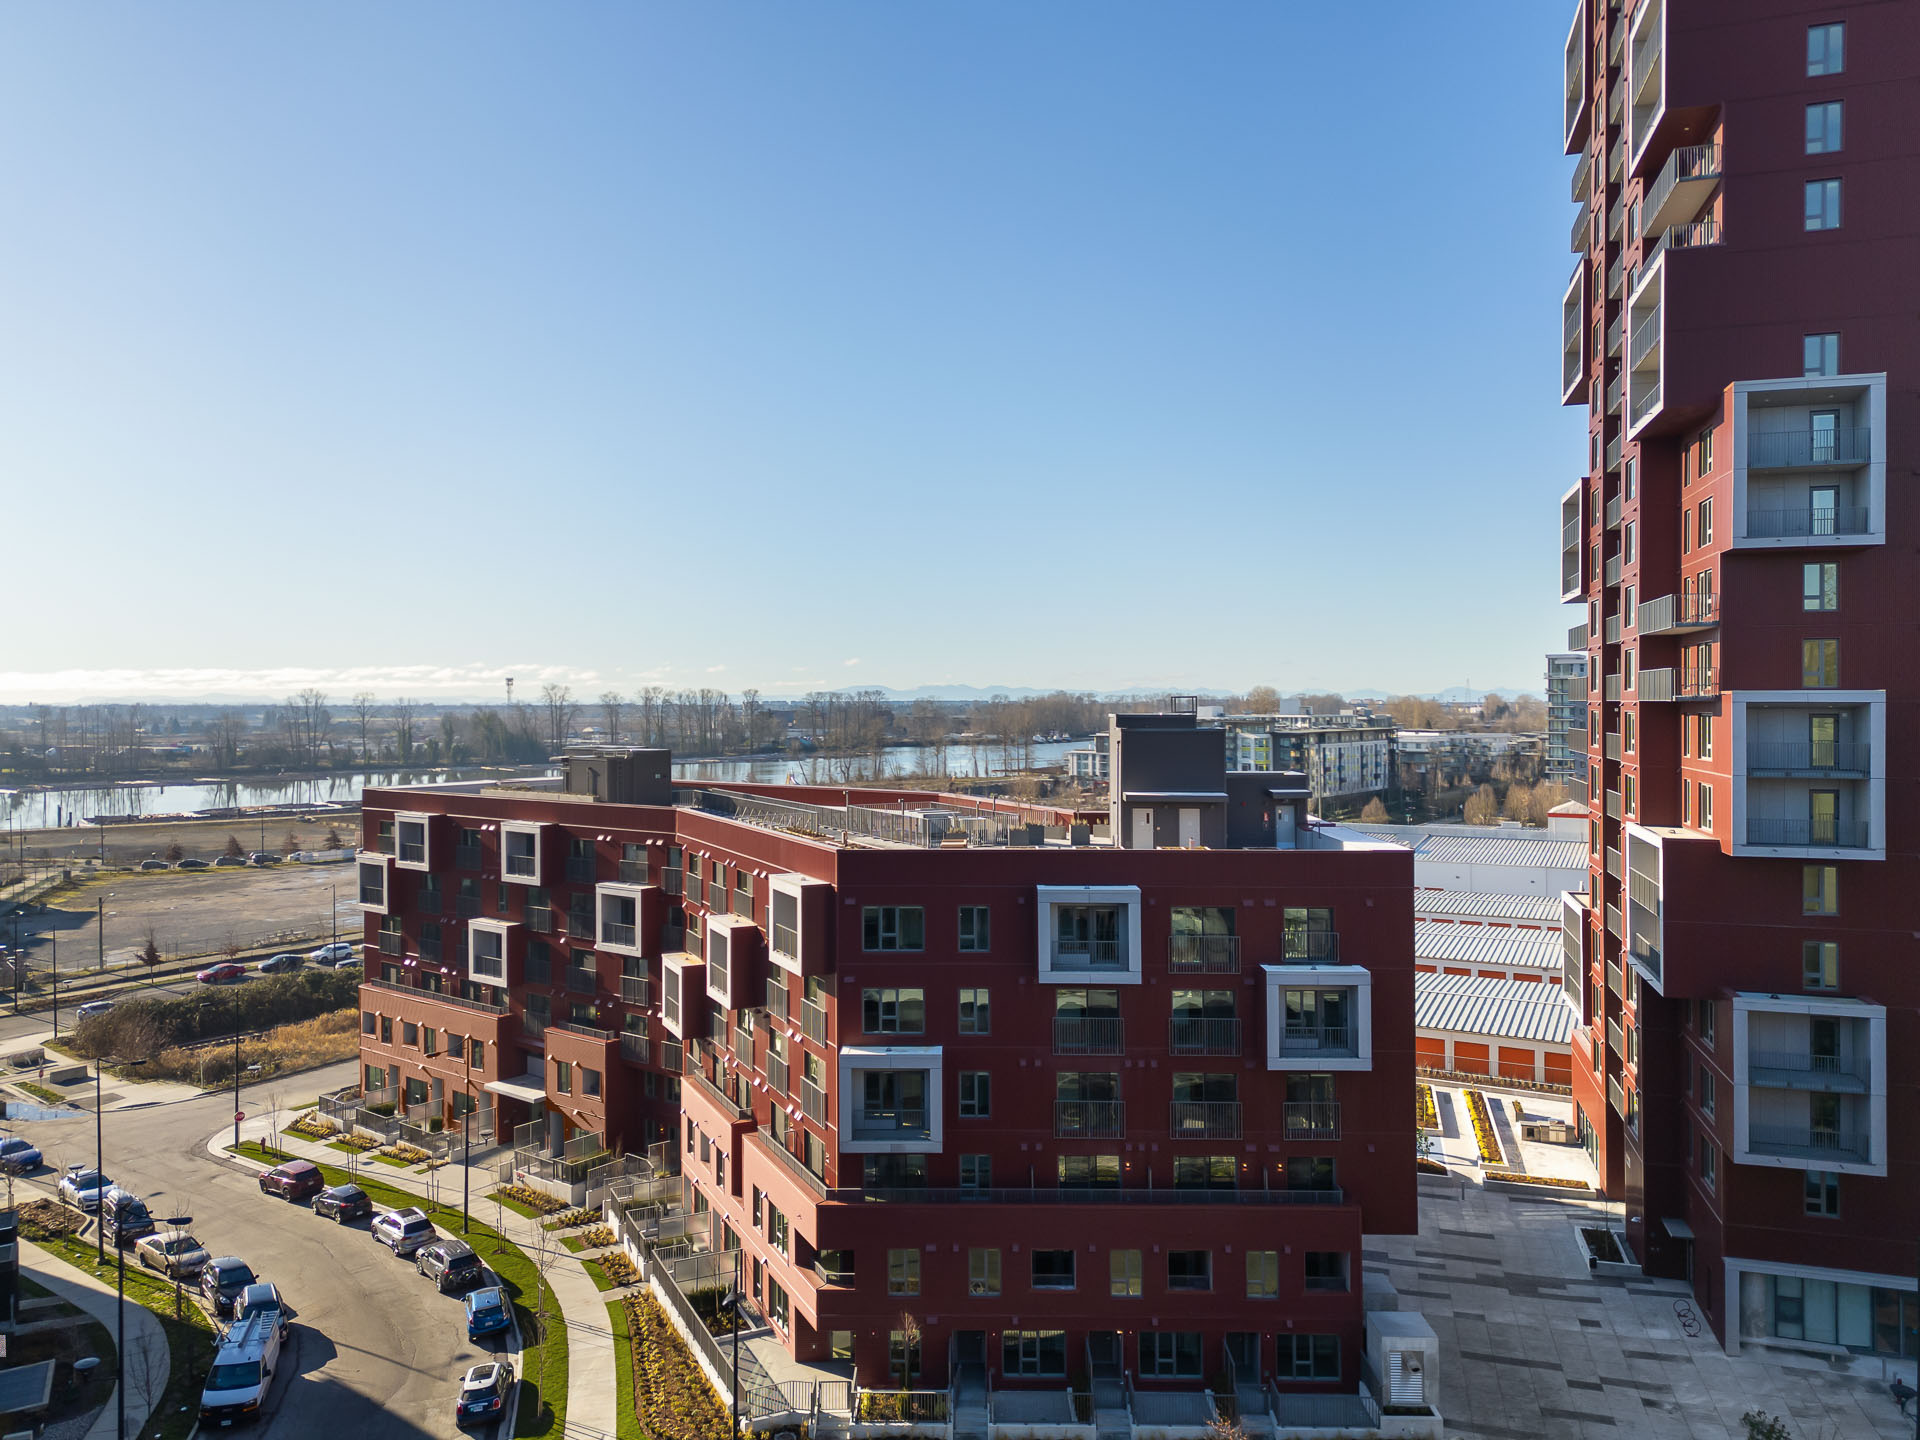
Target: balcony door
<point>1823,817</point>
<point>1824,503</point>
<point>1826,428</point>
<point>1823,732</point>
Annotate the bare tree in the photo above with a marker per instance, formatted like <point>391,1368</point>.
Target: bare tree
<point>557,701</point>
<point>234,850</point>
<point>224,733</point>
<point>909,1327</point>
<point>363,708</point>
<point>610,702</point>
<point>404,711</point>
<point>173,853</point>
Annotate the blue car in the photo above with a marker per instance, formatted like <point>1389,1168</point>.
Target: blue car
<point>17,1157</point>
<point>487,1312</point>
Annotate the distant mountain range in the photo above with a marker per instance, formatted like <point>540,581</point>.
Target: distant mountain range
<point>1453,694</point>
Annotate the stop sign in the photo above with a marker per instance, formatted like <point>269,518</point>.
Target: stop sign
<point>238,1116</point>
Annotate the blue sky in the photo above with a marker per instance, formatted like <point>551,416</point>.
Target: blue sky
<point>1100,345</point>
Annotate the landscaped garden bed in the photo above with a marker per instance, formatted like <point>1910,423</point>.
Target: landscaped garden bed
<point>1483,1134</point>
<point>670,1394</point>
<point>1425,1115</point>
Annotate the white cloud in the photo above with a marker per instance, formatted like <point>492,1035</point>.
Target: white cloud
<point>854,661</point>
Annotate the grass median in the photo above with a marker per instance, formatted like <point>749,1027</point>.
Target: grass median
<point>188,1332</point>
<point>543,1358</point>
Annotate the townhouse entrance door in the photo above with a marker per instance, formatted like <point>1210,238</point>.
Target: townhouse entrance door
<point>1143,829</point>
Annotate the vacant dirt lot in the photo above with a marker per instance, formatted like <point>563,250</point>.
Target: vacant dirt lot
<point>196,912</point>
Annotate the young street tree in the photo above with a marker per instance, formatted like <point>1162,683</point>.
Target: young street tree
<point>234,850</point>
<point>150,954</point>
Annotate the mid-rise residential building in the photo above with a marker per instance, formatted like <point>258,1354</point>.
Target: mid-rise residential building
<point>1565,760</point>
<point>1739,329</point>
<point>1078,1103</point>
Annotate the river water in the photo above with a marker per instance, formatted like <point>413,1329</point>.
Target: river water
<point>42,808</point>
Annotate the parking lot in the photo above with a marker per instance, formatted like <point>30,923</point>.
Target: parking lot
<point>373,1348</point>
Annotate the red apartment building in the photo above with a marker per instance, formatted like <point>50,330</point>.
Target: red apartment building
<point>1740,325</point>
<point>1073,1105</point>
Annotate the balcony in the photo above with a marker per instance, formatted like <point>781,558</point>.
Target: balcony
<point>1577,637</point>
<point>1582,186</point>
<point>1803,1070</point>
<point>1614,811</point>
<point>1815,759</point>
<point>1203,1036</point>
<point>1612,746</point>
<point>1612,630</point>
<point>1614,926</point>
<point>1823,834</point>
<point>1646,404</point>
<point>1675,614</point>
<point>1310,947</point>
<point>1614,865</point>
<point>1808,522</point>
<point>533,1028</point>
<point>1613,353</point>
<point>1312,1119</point>
<point>634,1048</point>
<point>636,989</point>
<point>1572,545</point>
<point>467,857</point>
<point>1089,956</point>
<point>1204,1120</point>
<point>392,943</point>
<point>1583,227</point>
<point>777,1073</point>
<point>1810,449</point>
<point>1685,237</point>
<point>580,982</point>
<point>1646,338</point>
<point>1611,571</point>
<point>437,997</point>
<point>1807,1142</point>
<point>1682,188</point>
<point>633,872</point>
<point>538,919</point>
<point>1616,283</point>
<point>1089,1036</point>
<point>813,1021</point>
<point>1203,954</point>
<point>1330,1040</point>
<point>673,882</point>
<point>1694,682</point>
<point>1616,1038</point>
<point>580,869</point>
<point>1611,688</point>
<point>612,932</point>
<point>1089,1119</point>
<point>813,1102</point>
<point>467,907</point>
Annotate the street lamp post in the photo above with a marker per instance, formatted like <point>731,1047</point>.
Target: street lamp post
<point>99,1161</point>
<point>236,1070</point>
<point>466,1131</point>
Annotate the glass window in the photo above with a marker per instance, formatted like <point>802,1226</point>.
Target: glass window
<point>1827,48</point>
<point>1706,522</point>
<point>903,1272</point>
<point>893,927</point>
<point>976,1172</point>
<point>983,1271</point>
<point>1123,1273</point>
<point>1819,664</point>
<point>1309,1357</point>
<point>1823,1193</point>
<point>1189,1270</point>
<point>903,1352</point>
<point>1170,1353</point>
<point>1263,1274</point>
<point>1709,1162</point>
<point>1823,128</point>
<point>976,1012</point>
<point>1053,1269</point>
<point>1326,1270</point>
<point>1820,964</point>
<point>1099,1172</point>
<point>1823,205</point>
<point>1820,355</point>
<point>1033,1352</point>
<point>975,932</point>
<point>976,1094</point>
<point>893,1011</point>
<point>1820,586</point>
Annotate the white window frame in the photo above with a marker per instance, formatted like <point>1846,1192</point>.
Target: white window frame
<point>855,1061</point>
<point>504,930</point>
<point>1747,1004</point>
<point>635,893</point>
<point>425,822</point>
<point>373,858</point>
<point>1282,978</point>
<point>1049,897</point>
<point>681,991</point>
<point>729,939</point>
<point>796,887</point>
<point>524,827</point>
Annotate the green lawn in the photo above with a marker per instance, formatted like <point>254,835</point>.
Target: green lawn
<point>396,1163</point>
<point>597,1275</point>
<point>573,1243</point>
<point>524,1211</point>
<point>189,1335</point>
<point>543,1359</point>
<point>626,1418</point>
<point>40,1092</point>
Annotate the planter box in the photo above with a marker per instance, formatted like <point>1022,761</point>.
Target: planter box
<point>874,1429</point>
<point>1044,1432</point>
<point>1428,1425</point>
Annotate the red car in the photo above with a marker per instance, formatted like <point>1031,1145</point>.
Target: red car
<point>215,974</point>
<point>295,1180</point>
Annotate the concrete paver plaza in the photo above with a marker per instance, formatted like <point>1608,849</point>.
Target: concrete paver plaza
<point>1534,1347</point>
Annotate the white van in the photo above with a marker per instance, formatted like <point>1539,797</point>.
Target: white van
<point>236,1386</point>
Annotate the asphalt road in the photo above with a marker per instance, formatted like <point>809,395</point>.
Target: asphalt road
<point>373,1349</point>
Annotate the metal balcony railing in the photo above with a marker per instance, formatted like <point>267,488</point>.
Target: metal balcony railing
<point>581,869</point>
<point>533,1027</point>
<point>1617,1038</point>
<point>1312,1119</point>
<point>1327,1040</point>
<point>538,919</point>
<point>1611,571</point>
<point>673,881</point>
<point>392,943</point>
<point>525,866</point>
<point>786,940</point>
<point>1686,164</point>
<point>636,989</point>
<point>1813,833</point>
<point>1697,680</point>
<point>1203,1036</point>
<point>467,907</point>
<point>1646,335</point>
<point>1657,684</point>
<point>1792,524</point>
<point>1614,863</point>
<point>1616,282</point>
<point>1611,687</point>
<point>1582,227</point>
<point>634,1048</point>
<point>1614,810</point>
<point>590,1032</point>
<point>1803,1070</point>
<point>1612,630</point>
<point>1203,954</point>
<point>375,895</point>
<point>776,1071</point>
<point>428,901</point>
<point>1612,746</point>
<point>1685,237</point>
<point>1614,335</point>
<point>1089,955</point>
<point>1613,464</point>
<point>1583,178</point>
<point>813,1101</point>
<point>1824,757</point>
<point>1310,947</point>
<point>1614,926</point>
<point>1809,449</point>
<point>1089,1036</point>
<point>1687,611</point>
<point>813,1021</point>
<point>581,982</point>
<point>1089,1119</point>
<point>1577,637</point>
<point>1807,1142</point>
<point>467,857</point>
<point>612,932</point>
<point>1646,401</point>
<point>633,872</point>
<point>1204,1120</point>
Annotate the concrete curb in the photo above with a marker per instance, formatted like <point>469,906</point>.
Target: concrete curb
<point>99,1301</point>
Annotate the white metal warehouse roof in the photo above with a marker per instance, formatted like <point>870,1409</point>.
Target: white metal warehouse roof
<point>1474,904</point>
<point>1481,944</point>
<point>1501,1009</point>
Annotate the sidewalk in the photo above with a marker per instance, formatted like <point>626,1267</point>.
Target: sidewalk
<point>115,1093</point>
<point>146,1341</point>
<point>591,1369</point>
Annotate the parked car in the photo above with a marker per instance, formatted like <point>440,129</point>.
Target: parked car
<point>222,1280</point>
<point>176,1255</point>
<point>92,1007</point>
<point>84,1188</point>
<point>353,964</point>
<point>450,1264</point>
<point>190,865</point>
<point>276,964</point>
<point>295,1180</point>
<point>242,1367</point>
<point>153,865</point>
<point>18,1157</point>
<point>262,1298</point>
<point>263,857</point>
<point>483,1393</point>
<point>403,1231</point>
<point>125,1217</point>
<point>331,954</point>
<point>487,1312</point>
<point>343,1203</point>
<point>226,860</point>
<point>219,974</point>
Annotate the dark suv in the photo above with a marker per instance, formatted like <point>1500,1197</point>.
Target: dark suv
<point>223,1280</point>
<point>450,1264</point>
<point>295,1180</point>
<point>343,1203</point>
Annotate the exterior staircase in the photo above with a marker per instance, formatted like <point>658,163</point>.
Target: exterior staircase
<point>970,1414</point>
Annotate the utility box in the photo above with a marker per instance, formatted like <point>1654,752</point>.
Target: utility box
<point>1403,1360</point>
<point>1549,1132</point>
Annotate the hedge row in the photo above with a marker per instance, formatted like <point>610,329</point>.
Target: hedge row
<point>137,1028</point>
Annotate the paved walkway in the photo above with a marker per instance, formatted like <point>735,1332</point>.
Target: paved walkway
<point>145,1360</point>
<point>1534,1347</point>
<point>591,1370</point>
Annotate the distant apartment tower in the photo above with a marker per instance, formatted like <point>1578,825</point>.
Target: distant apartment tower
<point>1344,757</point>
<point>1565,762</point>
<point>1739,325</point>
